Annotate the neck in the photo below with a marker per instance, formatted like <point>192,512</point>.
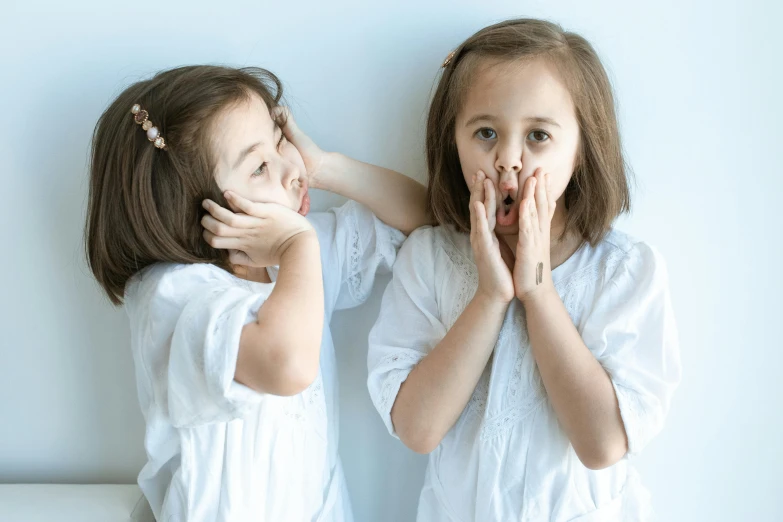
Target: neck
<point>251,273</point>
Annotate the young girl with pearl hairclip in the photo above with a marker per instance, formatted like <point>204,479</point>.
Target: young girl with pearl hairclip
<point>199,221</point>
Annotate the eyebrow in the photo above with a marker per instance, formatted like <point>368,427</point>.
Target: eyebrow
<point>251,148</point>
<point>244,155</point>
<point>490,118</point>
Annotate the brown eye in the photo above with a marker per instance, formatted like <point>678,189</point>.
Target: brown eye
<point>486,134</point>
<point>538,136</point>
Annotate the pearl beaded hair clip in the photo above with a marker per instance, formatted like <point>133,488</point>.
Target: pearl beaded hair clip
<point>141,117</point>
<point>449,58</point>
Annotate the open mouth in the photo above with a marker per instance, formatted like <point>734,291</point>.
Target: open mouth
<point>508,212</point>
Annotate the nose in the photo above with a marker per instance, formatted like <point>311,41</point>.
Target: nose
<point>508,164</point>
<point>290,173</point>
<point>509,157</point>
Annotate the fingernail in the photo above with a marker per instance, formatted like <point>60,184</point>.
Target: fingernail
<point>205,204</point>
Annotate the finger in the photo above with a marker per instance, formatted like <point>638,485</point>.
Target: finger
<point>280,113</point>
<point>474,188</point>
<point>480,177</point>
<point>529,189</point>
<point>533,213</point>
<point>525,217</point>
<point>219,228</point>
<point>481,224</point>
<point>223,243</point>
<point>473,212</point>
<point>244,205</point>
<point>542,202</point>
<point>228,217</point>
<point>287,124</point>
<point>527,200</point>
<point>490,203</point>
<point>550,196</point>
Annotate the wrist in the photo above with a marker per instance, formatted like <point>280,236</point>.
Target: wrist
<point>298,244</point>
<point>539,295</point>
<point>324,175</point>
<point>492,301</point>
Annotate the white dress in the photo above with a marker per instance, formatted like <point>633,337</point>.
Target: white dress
<point>217,450</point>
<point>507,458</point>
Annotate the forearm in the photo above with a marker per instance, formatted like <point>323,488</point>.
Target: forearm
<point>578,387</point>
<point>295,308</point>
<point>396,199</point>
<point>279,353</point>
<point>437,390</point>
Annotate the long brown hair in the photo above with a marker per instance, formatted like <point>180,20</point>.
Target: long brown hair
<point>599,188</point>
<point>144,203</point>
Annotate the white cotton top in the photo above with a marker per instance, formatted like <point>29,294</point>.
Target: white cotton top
<point>507,457</point>
<point>217,450</point>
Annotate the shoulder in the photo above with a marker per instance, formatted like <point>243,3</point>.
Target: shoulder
<point>432,240</point>
<point>431,247</point>
<point>618,259</point>
<point>352,227</point>
<point>434,257</point>
<point>174,282</point>
<point>626,252</point>
<point>350,214</point>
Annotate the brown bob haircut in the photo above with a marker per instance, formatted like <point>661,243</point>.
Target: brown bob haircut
<point>599,188</point>
<point>144,203</point>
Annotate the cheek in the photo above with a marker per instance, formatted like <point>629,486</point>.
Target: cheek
<point>472,158</point>
<point>558,164</point>
<point>293,155</point>
<point>233,185</point>
<point>259,189</point>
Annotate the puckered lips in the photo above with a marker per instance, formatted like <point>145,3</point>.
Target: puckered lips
<point>304,200</point>
<point>508,211</point>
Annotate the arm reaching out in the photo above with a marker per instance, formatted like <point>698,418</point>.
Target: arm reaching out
<point>396,199</point>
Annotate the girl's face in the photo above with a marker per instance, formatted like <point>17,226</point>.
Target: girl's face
<point>255,160</point>
<point>517,116</point>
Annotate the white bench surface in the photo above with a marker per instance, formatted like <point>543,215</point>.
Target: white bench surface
<point>73,503</point>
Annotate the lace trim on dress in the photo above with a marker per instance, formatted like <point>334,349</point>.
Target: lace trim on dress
<point>468,282</point>
<point>395,377</point>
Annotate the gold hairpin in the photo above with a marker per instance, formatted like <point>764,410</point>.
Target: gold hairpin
<point>448,59</point>
<point>141,117</point>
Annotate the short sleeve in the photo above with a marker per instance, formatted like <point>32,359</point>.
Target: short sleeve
<point>356,246</point>
<point>409,324</point>
<point>632,332</point>
<point>211,310</point>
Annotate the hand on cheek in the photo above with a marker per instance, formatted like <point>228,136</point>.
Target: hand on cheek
<point>255,234</point>
<point>495,280</point>
<point>532,268</point>
<point>312,155</point>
